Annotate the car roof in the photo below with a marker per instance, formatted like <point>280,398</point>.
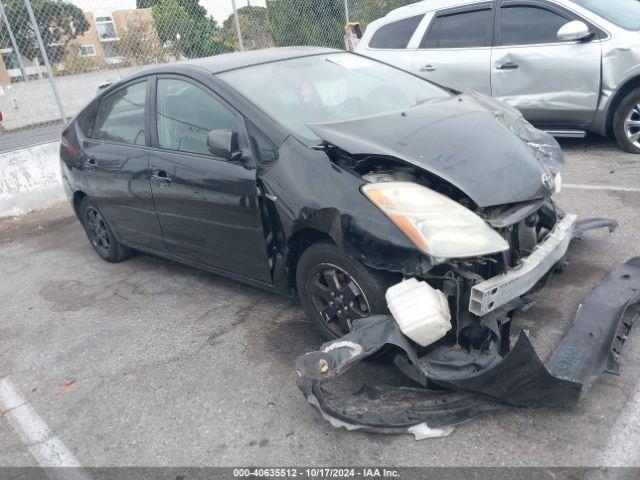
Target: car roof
<point>232,61</point>
<point>429,5</point>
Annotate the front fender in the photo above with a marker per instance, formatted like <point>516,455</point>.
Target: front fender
<point>312,193</point>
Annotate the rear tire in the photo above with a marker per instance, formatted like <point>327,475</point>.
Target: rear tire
<point>626,123</point>
<point>100,234</point>
<point>335,289</point>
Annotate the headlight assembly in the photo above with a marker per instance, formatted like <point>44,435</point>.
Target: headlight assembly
<point>436,224</point>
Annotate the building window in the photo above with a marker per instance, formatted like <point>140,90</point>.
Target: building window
<point>106,28</point>
<point>87,51</point>
<point>110,49</point>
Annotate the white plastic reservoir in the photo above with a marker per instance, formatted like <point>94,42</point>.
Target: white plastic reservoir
<point>421,311</point>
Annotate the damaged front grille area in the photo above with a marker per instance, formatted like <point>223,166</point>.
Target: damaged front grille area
<point>473,368</point>
<point>499,290</point>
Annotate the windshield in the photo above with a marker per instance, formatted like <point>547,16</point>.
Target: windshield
<point>623,13</point>
<point>328,88</point>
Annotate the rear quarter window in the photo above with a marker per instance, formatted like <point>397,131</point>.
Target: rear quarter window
<point>395,35</point>
<point>87,117</point>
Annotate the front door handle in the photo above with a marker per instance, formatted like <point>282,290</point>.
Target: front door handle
<point>428,68</point>
<point>508,66</point>
<point>90,165</point>
<point>161,177</point>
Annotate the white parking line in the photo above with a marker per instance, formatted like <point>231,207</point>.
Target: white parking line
<point>610,188</point>
<point>46,448</point>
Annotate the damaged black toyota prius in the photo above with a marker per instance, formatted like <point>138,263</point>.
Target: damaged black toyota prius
<point>406,217</point>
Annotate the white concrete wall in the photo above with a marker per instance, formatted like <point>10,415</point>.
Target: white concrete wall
<point>30,179</point>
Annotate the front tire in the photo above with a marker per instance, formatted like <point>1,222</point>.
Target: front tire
<point>626,123</point>
<point>100,234</point>
<point>335,289</point>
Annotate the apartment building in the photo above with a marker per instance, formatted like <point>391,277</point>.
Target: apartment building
<point>99,45</point>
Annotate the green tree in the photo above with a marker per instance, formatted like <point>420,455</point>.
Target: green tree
<point>307,22</point>
<point>59,23</point>
<point>254,25</point>
<point>366,11</point>
<point>193,7</point>
<point>192,33</point>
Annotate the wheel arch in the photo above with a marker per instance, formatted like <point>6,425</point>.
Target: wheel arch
<point>78,196</point>
<point>297,244</point>
<point>627,87</point>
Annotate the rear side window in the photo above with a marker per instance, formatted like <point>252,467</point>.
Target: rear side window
<point>121,117</point>
<point>460,30</point>
<point>186,114</point>
<point>522,25</point>
<point>396,34</point>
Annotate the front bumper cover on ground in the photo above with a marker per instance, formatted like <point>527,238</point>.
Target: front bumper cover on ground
<point>520,378</point>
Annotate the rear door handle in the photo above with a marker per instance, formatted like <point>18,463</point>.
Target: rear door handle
<point>428,68</point>
<point>508,66</point>
<point>90,165</point>
<point>161,177</point>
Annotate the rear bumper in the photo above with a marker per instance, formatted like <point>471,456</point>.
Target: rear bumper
<point>591,346</point>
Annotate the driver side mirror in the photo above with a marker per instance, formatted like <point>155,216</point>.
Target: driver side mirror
<point>224,144</point>
<point>575,31</point>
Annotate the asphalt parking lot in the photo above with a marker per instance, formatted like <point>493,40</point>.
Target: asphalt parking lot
<point>151,363</point>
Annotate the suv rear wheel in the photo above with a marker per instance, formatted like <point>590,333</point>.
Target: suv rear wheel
<point>626,122</point>
<point>336,289</point>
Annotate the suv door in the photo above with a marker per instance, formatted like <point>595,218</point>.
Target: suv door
<point>456,48</point>
<point>550,81</point>
<point>207,206</point>
<point>117,166</point>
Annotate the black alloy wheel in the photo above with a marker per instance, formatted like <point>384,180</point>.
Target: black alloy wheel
<point>97,231</point>
<point>336,298</point>
<point>336,289</point>
<point>100,234</point>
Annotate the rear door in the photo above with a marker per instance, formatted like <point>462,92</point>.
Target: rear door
<point>456,48</point>
<point>116,165</point>
<point>207,206</point>
<point>552,82</point>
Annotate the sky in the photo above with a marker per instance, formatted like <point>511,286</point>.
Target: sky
<point>220,9</point>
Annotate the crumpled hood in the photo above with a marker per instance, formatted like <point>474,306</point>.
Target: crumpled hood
<point>484,148</point>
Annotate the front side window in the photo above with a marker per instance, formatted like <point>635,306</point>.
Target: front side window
<point>329,88</point>
<point>397,34</point>
<point>528,25</point>
<point>121,117</point>
<point>460,30</point>
<point>623,13</point>
<point>186,114</point>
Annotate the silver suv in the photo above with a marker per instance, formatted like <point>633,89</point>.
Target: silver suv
<point>570,66</point>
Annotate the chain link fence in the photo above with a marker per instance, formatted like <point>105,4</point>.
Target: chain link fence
<point>56,54</point>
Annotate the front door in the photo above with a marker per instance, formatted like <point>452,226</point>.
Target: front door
<point>551,82</point>
<point>117,167</point>
<point>456,49</point>
<point>207,206</point>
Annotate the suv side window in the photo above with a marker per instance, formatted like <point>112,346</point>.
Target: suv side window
<point>121,116</point>
<point>185,115</point>
<point>471,28</point>
<point>397,34</point>
<point>530,25</point>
